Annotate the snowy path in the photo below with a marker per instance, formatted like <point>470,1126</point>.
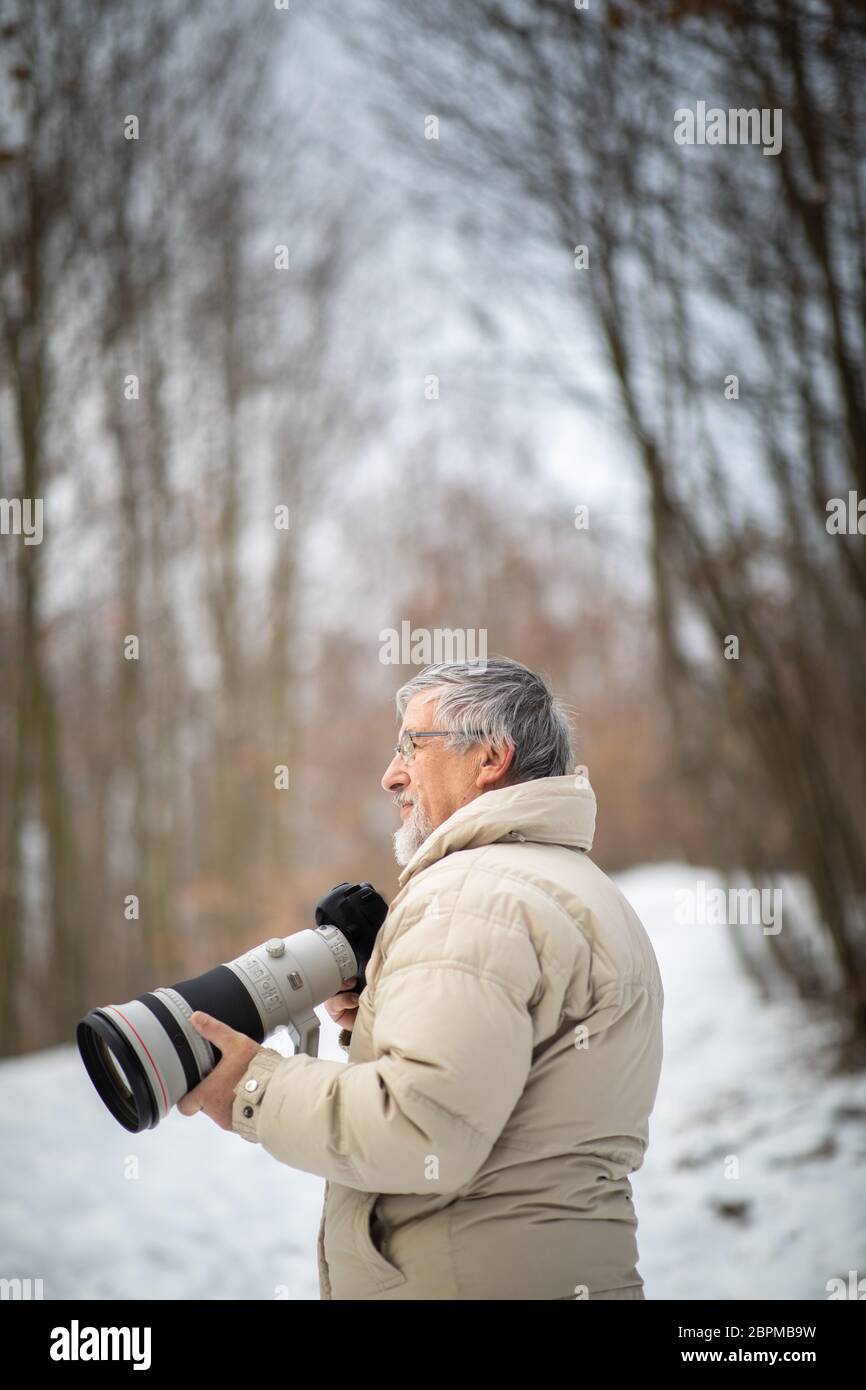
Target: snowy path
<point>739,1078</point>
<point>210,1216</point>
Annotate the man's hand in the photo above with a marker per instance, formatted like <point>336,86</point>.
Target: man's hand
<point>343,1007</point>
<point>215,1095</point>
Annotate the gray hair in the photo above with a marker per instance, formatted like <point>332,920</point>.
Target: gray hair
<point>505,702</point>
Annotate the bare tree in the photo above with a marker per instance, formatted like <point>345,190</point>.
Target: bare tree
<point>700,267</point>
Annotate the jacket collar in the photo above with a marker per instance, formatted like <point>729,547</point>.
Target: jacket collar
<point>546,811</point>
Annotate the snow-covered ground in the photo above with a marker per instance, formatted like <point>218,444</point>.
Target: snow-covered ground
<point>742,1078</point>
<point>210,1216</point>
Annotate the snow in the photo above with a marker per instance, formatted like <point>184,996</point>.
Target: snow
<point>742,1077</point>
<point>209,1216</point>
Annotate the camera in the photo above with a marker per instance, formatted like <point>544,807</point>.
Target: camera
<point>143,1056</point>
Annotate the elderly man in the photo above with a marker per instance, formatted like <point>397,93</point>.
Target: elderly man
<point>504,1057</point>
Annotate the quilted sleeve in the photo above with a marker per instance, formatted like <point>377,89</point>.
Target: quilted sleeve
<point>452,1029</point>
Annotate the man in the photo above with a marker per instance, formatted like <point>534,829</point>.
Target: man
<point>505,1054</point>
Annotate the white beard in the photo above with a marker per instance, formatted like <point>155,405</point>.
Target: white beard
<point>412,834</point>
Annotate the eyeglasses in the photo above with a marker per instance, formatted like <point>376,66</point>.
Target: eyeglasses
<point>406,746</point>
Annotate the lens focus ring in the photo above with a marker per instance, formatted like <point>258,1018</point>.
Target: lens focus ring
<point>201,1048</point>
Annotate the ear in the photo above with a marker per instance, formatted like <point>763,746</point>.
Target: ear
<point>494,767</point>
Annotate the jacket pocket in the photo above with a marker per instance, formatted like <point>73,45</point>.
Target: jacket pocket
<point>386,1273</point>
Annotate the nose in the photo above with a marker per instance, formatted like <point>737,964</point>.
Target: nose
<point>396,774</point>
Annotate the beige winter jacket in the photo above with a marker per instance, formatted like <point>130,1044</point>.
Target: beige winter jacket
<point>503,1065</point>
